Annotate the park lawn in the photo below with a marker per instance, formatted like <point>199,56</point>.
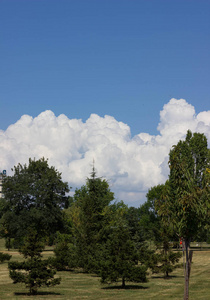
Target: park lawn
<point>79,286</point>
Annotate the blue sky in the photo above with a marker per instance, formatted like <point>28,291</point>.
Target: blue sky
<point>121,58</point>
<point>117,81</point>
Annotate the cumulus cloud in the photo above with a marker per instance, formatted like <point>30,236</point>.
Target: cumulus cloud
<point>131,164</point>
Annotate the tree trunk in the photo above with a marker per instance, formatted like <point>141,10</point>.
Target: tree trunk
<point>190,260</point>
<point>186,275</point>
<point>123,282</point>
<point>189,254</point>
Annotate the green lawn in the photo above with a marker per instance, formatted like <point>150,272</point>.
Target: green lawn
<point>85,286</point>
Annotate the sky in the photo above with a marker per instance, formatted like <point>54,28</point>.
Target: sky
<point>117,81</point>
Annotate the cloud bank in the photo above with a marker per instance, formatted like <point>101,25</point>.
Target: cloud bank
<point>131,164</point>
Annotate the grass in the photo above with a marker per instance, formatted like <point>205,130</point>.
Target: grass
<point>79,286</point>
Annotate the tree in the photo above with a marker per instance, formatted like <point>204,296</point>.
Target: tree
<point>8,228</point>
<point>64,251</point>
<point>4,257</point>
<point>164,259</point>
<point>120,255</point>
<point>133,219</point>
<point>33,197</point>
<point>138,233</point>
<point>34,271</point>
<point>187,201</point>
<point>149,220</point>
<point>88,219</point>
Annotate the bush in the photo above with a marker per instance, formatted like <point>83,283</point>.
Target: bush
<point>4,256</point>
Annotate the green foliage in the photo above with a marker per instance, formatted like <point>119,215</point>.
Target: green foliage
<point>8,227</point>
<point>133,219</point>
<point>88,219</point>
<point>33,245</point>
<point>34,272</point>
<point>186,198</point>
<point>150,222</point>
<point>4,257</point>
<point>120,254</point>
<point>64,252</point>
<point>164,259</point>
<point>9,243</point>
<point>189,186</point>
<point>98,227</point>
<point>166,262</point>
<point>34,197</point>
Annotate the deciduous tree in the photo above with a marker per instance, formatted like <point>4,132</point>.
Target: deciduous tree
<point>187,203</point>
<point>34,196</point>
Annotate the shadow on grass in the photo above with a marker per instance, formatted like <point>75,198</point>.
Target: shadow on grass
<point>166,278</point>
<point>127,287</point>
<point>37,294</point>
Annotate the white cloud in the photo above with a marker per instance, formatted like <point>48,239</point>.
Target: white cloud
<point>132,165</point>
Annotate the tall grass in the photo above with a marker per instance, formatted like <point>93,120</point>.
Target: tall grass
<point>79,286</point>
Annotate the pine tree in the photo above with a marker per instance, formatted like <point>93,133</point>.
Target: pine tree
<point>64,251</point>
<point>120,255</point>
<point>165,259</point>
<point>33,271</point>
<point>88,220</point>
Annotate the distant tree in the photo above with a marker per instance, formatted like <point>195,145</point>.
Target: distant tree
<point>88,219</point>
<point>136,231</point>
<point>164,259</point>
<point>33,197</point>
<point>34,271</point>
<point>120,255</point>
<point>9,223</point>
<point>4,257</point>
<point>149,220</point>
<point>64,251</point>
<point>138,234</point>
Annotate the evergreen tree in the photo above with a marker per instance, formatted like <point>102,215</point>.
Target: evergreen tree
<point>120,255</point>
<point>88,220</point>
<point>34,271</point>
<point>164,259</point>
<point>149,221</point>
<point>64,251</point>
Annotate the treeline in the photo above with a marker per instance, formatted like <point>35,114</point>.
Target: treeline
<point>93,233</point>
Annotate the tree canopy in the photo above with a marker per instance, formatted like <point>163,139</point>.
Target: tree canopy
<point>34,196</point>
<point>188,184</point>
<point>121,253</point>
<point>187,194</point>
<point>88,219</point>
